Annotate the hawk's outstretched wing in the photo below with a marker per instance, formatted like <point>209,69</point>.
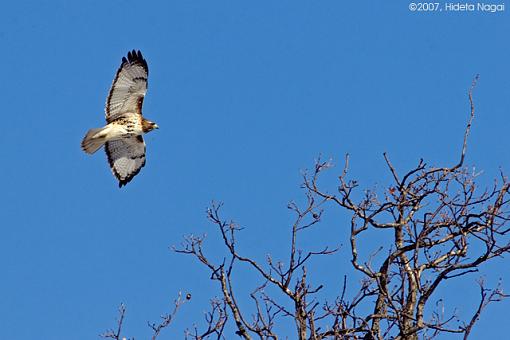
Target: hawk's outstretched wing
<point>126,157</point>
<point>128,88</point>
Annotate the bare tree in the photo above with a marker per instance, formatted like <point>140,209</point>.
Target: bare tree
<point>441,227</point>
<point>436,225</point>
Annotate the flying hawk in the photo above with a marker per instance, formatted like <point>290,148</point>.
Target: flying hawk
<point>122,136</point>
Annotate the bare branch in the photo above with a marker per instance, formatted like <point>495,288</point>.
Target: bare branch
<point>167,318</point>
<point>116,334</point>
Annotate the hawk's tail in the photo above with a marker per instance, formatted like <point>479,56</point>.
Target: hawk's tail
<point>93,140</point>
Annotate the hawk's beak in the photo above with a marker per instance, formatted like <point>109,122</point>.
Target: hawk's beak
<point>156,126</point>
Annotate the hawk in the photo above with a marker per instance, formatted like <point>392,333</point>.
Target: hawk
<point>122,136</point>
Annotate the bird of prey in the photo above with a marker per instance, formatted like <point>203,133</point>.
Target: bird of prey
<point>122,136</point>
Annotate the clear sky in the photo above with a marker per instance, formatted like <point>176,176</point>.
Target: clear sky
<point>246,94</point>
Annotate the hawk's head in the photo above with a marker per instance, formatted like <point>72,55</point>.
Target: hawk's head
<point>147,125</point>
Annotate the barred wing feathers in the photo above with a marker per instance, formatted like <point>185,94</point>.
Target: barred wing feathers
<point>128,88</point>
<point>126,157</point>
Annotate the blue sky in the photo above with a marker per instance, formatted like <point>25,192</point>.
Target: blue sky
<point>246,94</point>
